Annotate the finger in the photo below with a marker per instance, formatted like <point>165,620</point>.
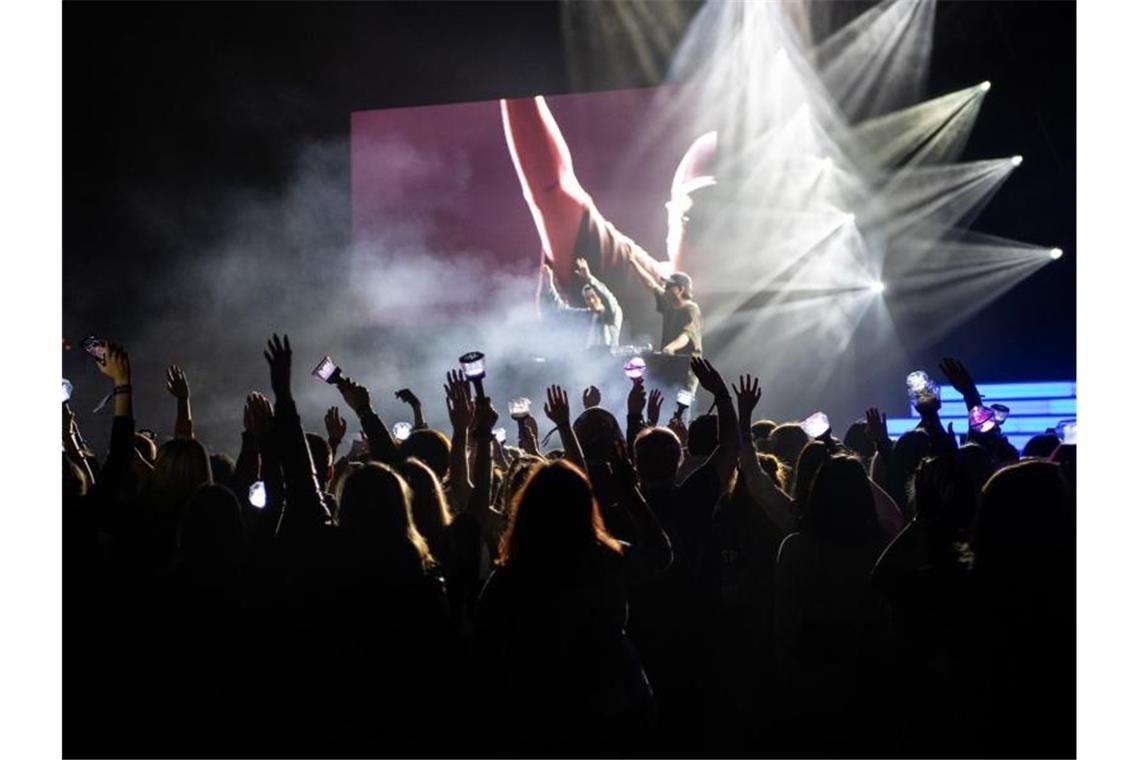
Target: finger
<point>288,349</point>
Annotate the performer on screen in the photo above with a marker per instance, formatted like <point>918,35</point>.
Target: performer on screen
<point>569,224</point>
<point>602,315</point>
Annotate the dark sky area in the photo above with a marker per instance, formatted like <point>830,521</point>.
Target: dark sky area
<point>173,106</point>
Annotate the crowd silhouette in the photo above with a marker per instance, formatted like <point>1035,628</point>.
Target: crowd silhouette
<point>730,587</point>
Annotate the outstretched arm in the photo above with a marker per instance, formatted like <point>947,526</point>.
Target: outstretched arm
<point>546,173</point>
<point>723,459</point>
<point>557,408</point>
<point>177,386</point>
<point>381,445</point>
<point>461,411</point>
<point>767,494</point>
<point>305,510</point>
<point>409,398</point>
<point>647,277</point>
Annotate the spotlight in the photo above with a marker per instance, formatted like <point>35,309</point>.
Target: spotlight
<point>878,286</point>
<point>849,218</point>
<point>1016,160</point>
<point>1056,253</point>
<point>986,86</point>
<point>827,162</point>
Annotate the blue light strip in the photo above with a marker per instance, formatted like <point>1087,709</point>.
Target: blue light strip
<point>998,391</point>
<point>1030,424</point>
<point>1061,407</point>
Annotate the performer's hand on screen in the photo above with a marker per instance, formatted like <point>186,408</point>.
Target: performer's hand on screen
<point>581,268</point>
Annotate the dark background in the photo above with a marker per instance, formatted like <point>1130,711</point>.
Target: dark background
<point>180,104</point>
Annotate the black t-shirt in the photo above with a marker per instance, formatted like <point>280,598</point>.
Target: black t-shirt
<point>676,320</point>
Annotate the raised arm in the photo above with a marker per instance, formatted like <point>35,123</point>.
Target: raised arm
<point>634,407</point>
<point>335,428</point>
<point>381,446</point>
<point>115,477</point>
<point>647,278</point>
<point>557,408</point>
<point>609,301</point>
<point>723,459</point>
<point>775,503</point>
<point>246,467</point>
<point>409,398</point>
<point>546,174</point>
<point>305,509</point>
<point>177,386</point>
<point>490,521</point>
<point>461,411</point>
<point>548,296</point>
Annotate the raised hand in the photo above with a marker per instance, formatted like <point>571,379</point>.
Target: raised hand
<point>876,426</point>
<point>176,384</point>
<point>279,355</point>
<point>956,372</point>
<point>656,399</point>
<point>459,407</point>
<point>747,396</point>
<point>335,426</point>
<point>258,414</point>
<point>117,365</point>
<point>708,377</point>
<point>557,406</point>
<point>357,397</point>
<point>635,401</point>
<point>409,398</point>
<point>592,396</point>
<point>581,268</point>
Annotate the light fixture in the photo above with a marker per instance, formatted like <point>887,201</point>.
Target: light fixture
<point>1056,253</point>
<point>1016,160</point>
<point>878,286</point>
<point>827,162</point>
<point>986,86</point>
<point>849,218</point>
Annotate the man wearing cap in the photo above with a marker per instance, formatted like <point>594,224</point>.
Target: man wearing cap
<point>680,314</point>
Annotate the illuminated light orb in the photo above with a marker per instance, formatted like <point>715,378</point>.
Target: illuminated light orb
<point>827,162</point>
<point>1056,253</point>
<point>986,86</point>
<point>1016,160</point>
<point>849,218</point>
<point>878,286</point>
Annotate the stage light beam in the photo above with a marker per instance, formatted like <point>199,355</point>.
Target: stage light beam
<point>878,286</point>
<point>985,86</point>
<point>1056,253</point>
<point>1016,160</point>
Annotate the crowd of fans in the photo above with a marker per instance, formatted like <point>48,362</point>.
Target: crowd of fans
<point>730,587</point>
